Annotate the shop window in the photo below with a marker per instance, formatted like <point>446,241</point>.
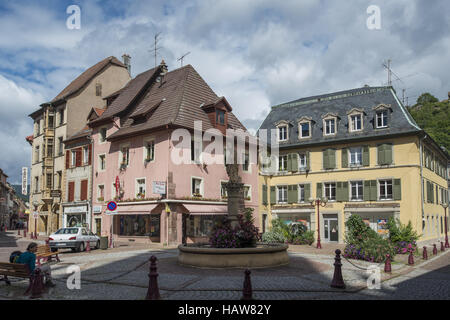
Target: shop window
<point>139,225</point>
<point>201,226</point>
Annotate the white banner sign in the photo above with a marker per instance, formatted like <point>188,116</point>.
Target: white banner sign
<point>24,180</point>
<point>159,187</point>
<point>77,209</point>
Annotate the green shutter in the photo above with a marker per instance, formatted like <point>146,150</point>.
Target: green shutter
<point>308,165</point>
<point>307,192</point>
<point>338,191</point>
<point>273,196</point>
<point>373,190</point>
<point>388,153</point>
<point>381,154</point>
<point>432,192</point>
<point>344,191</point>
<point>366,190</point>
<point>397,189</point>
<point>325,159</point>
<point>294,160</point>
<point>366,156</point>
<point>319,190</point>
<point>292,193</point>
<point>264,194</point>
<point>428,192</point>
<point>289,162</point>
<point>332,159</point>
<point>345,158</point>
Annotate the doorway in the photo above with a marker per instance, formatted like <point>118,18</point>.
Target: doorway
<point>98,226</point>
<point>331,228</point>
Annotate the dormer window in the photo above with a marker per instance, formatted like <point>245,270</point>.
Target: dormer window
<point>304,127</point>
<point>283,130</point>
<point>382,119</point>
<point>220,117</point>
<point>330,126</point>
<point>356,122</point>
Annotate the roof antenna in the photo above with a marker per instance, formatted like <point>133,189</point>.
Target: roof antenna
<point>182,57</point>
<point>155,47</point>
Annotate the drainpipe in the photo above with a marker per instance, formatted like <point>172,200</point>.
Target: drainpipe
<point>421,179</point>
<point>91,200</point>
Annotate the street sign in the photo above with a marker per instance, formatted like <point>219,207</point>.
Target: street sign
<point>55,193</point>
<point>35,214</point>
<point>159,187</point>
<point>111,208</point>
<point>24,180</point>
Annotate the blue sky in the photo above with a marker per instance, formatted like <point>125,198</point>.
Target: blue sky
<point>256,53</point>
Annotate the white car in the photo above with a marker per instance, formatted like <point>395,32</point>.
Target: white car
<point>75,238</point>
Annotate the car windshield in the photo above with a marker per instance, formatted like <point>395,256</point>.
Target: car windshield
<point>67,231</point>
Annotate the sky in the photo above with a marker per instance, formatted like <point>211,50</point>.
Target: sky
<point>255,53</point>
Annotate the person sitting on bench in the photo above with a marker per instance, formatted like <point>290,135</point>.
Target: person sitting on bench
<point>29,258</point>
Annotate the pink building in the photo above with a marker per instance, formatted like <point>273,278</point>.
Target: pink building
<point>159,200</point>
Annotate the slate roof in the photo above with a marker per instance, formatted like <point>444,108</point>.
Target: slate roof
<point>175,100</point>
<point>340,103</point>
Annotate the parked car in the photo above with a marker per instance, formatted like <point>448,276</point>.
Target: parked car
<point>75,238</point>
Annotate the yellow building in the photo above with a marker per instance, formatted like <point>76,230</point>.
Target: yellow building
<point>362,151</point>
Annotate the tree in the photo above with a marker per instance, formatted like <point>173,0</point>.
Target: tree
<point>426,98</point>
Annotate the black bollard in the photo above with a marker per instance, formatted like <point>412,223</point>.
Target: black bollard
<point>434,249</point>
<point>442,246</point>
<point>338,281</point>
<point>425,253</point>
<point>153,289</point>
<point>410,258</point>
<point>247,290</point>
<point>387,264</point>
<point>37,284</point>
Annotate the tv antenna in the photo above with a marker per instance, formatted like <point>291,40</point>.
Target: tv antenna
<point>155,47</point>
<point>182,57</point>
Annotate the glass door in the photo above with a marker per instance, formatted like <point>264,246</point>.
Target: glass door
<point>331,231</point>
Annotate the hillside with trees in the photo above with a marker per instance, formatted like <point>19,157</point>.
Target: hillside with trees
<point>433,116</point>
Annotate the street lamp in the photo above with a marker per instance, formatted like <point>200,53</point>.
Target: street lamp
<point>445,205</point>
<point>318,202</point>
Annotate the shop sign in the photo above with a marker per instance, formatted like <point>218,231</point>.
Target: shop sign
<point>75,209</point>
<point>159,187</point>
<point>55,193</point>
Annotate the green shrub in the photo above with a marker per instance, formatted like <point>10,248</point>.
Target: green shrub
<point>273,237</point>
<point>306,237</point>
<point>399,232</point>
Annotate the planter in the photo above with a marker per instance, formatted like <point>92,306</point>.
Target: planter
<point>261,256</point>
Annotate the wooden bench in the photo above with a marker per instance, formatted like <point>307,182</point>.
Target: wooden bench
<point>19,270</point>
<point>44,252</point>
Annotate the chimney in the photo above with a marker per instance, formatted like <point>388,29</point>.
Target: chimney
<point>126,61</point>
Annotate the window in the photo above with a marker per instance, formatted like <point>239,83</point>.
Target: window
<point>86,155</point>
<point>330,126</point>
<point>247,193</point>
<point>305,131</point>
<point>124,156</point>
<point>150,151</point>
<point>282,163</point>
<point>301,193</point>
<point>303,160</point>
<point>220,117</point>
<point>385,187</point>
<point>195,151</point>
<point>73,158</point>
<point>36,154</point>
<point>330,191</point>
<point>49,180</point>
<point>102,162</point>
<point>101,192</point>
<point>50,148</point>
<point>98,89</point>
<point>246,162</point>
<point>36,184</point>
<point>51,121</point>
<point>38,127</point>
<point>201,226</point>
<point>139,225</point>
<point>140,188</point>
<point>381,119</point>
<point>60,146</point>
<point>282,194</point>
<point>223,190</point>
<point>356,190</point>
<point>102,135</point>
<point>61,116</point>
<point>282,133</point>
<point>355,156</point>
<point>356,122</point>
<point>197,187</point>
<point>59,178</point>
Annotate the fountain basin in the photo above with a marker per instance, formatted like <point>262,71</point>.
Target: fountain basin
<point>261,256</point>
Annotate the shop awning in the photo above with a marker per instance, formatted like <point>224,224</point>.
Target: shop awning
<point>200,209</point>
<point>136,209</point>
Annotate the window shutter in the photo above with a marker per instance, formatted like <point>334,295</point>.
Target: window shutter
<point>294,164</point>
<point>83,193</point>
<point>264,194</point>
<point>325,159</point>
<point>366,156</point>
<point>319,190</point>
<point>373,190</point>
<point>67,159</point>
<point>428,192</point>
<point>307,192</point>
<point>338,191</point>
<point>397,189</point>
<point>332,159</point>
<point>292,193</point>
<point>90,155</point>
<point>78,154</point>
<point>432,192</point>
<point>388,153</point>
<point>71,191</point>
<point>381,154</point>
<point>289,162</point>
<point>366,190</point>
<point>345,158</point>
<point>273,196</point>
<point>308,161</point>
<point>344,191</point>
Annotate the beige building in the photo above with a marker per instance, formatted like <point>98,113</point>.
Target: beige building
<point>54,122</point>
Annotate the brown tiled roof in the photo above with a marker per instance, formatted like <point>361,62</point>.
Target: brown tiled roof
<point>99,111</point>
<point>86,76</point>
<point>80,134</point>
<point>178,100</point>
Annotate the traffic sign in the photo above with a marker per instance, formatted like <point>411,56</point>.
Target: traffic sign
<point>35,214</point>
<point>111,207</point>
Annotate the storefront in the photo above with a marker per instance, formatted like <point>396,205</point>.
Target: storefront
<point>294,216</point>
<point>76,216</point>
<point>200,220</point>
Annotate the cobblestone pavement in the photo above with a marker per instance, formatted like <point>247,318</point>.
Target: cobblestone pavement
<point>123,274</point>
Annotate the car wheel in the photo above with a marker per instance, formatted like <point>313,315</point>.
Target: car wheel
<point>97,245</point>
<point>81,247</point>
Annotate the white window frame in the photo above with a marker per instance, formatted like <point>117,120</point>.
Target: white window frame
<point>146,142</point>
<point>100,162</point>
<point>350,158</point>
<point>278,194</point>
<point>300,167</point>
<point>100,135</point>
<point>249,192</point>
<point>73,158</point>
<point>98,191</point>
<point>300,131</point>
<point>137,185</point>
<point>379,189</point>
<point>325,190</point>
<point>377,116</point>
<point>285,125</point>
<point>226,192</point>
<point>198,156</point>
<point>278,163</point>
<point>201,186</point>
<point>85,155</point>
<point>325,126</point>
<point>125,145</point>
<point>351,190</point>
<point>299,200</point>
<point>353,122</point>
